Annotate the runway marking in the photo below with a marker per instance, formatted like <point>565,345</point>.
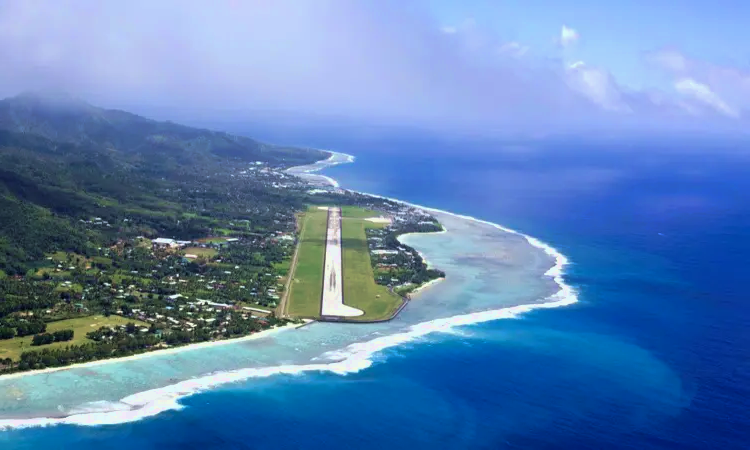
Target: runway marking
<point>332,301</point>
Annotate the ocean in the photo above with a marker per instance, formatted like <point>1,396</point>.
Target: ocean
<point>654,354</point>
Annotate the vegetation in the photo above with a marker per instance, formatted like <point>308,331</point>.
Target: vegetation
<point>85,193</point>
<point>360,289</point>
<point>307,286</point>
<point>79,327</point>
<point>356,212</point>
<point>373,282</point>
<point>99,210</point>
<point>63,162</point>
<point>201,252</point>
<point>47,338</point>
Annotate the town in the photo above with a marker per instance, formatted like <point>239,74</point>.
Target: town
<point>217,266</point>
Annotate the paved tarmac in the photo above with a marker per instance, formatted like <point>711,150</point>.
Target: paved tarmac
<point>333,276</point>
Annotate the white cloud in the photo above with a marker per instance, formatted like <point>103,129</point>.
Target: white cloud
<point>703,94</point>
<point>368,60</point>
<point>724,89</point>
<point>576,65</point>
<point>669,59</point>
<point>513,49</point>
<point>597,85</point>
<point>568,36</point>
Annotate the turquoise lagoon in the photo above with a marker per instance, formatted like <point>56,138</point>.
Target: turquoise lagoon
<point>492,273</point>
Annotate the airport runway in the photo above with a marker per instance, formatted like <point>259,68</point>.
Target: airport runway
<point>332,301</point>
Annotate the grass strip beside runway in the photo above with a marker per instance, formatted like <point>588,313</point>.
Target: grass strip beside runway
<point>307,286</point>
<point>360,289</point>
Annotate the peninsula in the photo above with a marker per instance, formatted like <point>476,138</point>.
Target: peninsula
<point>120,235</point>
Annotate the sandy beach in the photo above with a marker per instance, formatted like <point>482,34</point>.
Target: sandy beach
<point>166,351</point>
<point>425,286</point>
<point>345,350</point>
<point>426,261</point>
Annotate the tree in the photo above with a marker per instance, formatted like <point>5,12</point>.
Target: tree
<point>42,339</point>
<point>29,328</point>
<point>7,333</point>
<point>63,335</point>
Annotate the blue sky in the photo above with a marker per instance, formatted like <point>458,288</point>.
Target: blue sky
<point>615,34</point>
<point>492,67</point>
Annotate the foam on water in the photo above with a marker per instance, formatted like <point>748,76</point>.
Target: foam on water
<point>330,162</point>
<point>352,359</point>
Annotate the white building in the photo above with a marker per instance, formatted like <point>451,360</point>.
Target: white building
<point>164,242</point>
<point>385,252</point>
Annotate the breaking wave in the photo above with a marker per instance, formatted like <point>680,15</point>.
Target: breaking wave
<point>351,359</point>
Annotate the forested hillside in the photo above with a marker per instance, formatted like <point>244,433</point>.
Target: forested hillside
<point>64,162</point>
<point>67,120</point>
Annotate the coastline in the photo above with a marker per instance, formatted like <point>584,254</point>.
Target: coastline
<point>348,359</point>
<point>427,263</point>
<point>162,352</point>
<point>424,286</point>
<point>424,259</point>
<point>555,272</point>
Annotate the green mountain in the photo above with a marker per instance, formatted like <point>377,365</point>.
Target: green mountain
<point>63,161</point>
<point>64,119</point>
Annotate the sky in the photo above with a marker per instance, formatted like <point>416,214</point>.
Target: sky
<point>497,67</point>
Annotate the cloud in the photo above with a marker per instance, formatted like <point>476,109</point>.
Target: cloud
<point>375,61</point>
<point>568,36</point>
<point>671,60</point>
<point>703,94</point>
<point>597,85</point>
<point>722,88</point>
<point>513,49</point>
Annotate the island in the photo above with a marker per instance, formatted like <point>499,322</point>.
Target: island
<point>120,235</point>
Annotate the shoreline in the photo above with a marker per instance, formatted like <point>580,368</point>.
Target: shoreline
<point>351,358</point>
<point>427,263</point>
<point>161,352</point>
<point>424,286</point>
<point>421,255</point>
<point>555,272</point>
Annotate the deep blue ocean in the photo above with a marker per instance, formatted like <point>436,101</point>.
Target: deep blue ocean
<point>656,355</point>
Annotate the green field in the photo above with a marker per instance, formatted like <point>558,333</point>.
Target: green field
<point>358,213</point>
<point>360,289</point>
<point>12,348</point>
<point>307,286</point>
<point>212,240</point>
<point>201,252</point>
<point>283,267</point>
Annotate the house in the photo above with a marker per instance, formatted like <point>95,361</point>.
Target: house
<point>385,252</point>
<point>164,242</point>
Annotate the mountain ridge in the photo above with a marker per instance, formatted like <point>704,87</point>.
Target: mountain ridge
<point>67,119</point>
<point>63,161</point>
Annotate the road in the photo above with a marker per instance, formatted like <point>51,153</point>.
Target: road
<point>283,308</point>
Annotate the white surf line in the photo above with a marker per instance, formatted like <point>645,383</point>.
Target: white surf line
<point>352,359</point>
<point>332,301</point>
<point>320,165</point>
<point>555,272</point>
